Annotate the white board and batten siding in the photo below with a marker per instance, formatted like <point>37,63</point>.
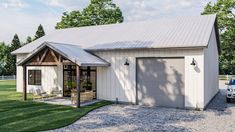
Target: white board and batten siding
<point>19,73</point>
<point>52,77</point>
<point>119,81</point>
<point>211,69</point>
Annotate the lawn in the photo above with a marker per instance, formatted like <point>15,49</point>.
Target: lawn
<point>18,115</point>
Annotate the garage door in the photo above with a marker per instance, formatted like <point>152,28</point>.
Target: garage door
<point>160,82</point>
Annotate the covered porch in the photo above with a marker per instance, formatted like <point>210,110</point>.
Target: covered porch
<point>62,70</point>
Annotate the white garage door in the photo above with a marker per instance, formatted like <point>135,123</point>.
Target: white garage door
<point>160,82</point>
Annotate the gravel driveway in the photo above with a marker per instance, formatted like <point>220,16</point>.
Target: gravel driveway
<point>219,116</point>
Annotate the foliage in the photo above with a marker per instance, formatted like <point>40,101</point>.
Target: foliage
<point>8,61</point>
<point>225,10</point>
<point>98,12</point>
<point>24,116</point>
<point>28,40</point>
<point>10,66</point>
<point>39,33</point>
<point>3,58</point>
<point>15,43</point>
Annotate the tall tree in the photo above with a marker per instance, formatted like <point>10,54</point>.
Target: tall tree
<point>28,40</point>
<point>225,10</point>
<point>3,57</point>
<point>15,43</point>
<point>10,65</point>
<point>39,33</point>
<point>98,12</point>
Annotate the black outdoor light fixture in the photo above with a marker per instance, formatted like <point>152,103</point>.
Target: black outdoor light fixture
<point>193,63</point>
<point>126,63</point>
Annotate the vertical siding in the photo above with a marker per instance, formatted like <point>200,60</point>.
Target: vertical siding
<point>122,79</point>
<point>194,82</point>
<point>51,76</point>
<point>60,76</point>
<point>19,73</point>
<point>211,69</point>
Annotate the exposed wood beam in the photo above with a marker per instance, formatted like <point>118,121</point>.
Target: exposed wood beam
<point>55,57</point>
<point>24,83</point>
<point>38,58</point>
<point>42,63</point>
<point>43,56</point>
<point>60,58</point>
<point>78,86</point>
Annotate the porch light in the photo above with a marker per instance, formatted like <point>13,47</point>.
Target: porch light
<point>193,63</point>
<point>126,63</point>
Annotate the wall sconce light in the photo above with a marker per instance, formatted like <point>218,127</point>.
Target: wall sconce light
<point>193,63</point>
<point>126,63</point>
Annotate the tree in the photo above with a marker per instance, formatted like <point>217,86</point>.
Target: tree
<point>10,61</point>
<point>15,43</point>
<point>98,12</point>
<point>3,57</point>
<point>28,40</point>
<point>225,10</point>
<point>39,33</point>
<point>70,19</point>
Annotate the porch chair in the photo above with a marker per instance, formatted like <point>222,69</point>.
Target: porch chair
<point>56,92</point>
<point>38,94</point>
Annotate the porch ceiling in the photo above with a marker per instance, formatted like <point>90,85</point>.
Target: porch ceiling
<point>73,53</point>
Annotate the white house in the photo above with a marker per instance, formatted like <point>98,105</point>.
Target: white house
<point>169,62</point>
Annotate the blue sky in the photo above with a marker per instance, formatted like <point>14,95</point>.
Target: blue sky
<point>23,16</point>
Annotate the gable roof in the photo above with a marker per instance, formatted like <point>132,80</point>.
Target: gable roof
<point>72,52</point>
<point>166,33</point>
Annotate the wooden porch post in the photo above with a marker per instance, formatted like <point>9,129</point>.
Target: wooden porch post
<point>24,84</point>
<point>78,86</point>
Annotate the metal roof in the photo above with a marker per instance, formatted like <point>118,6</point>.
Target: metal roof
<point>165,33</point>
<point>72,52</point>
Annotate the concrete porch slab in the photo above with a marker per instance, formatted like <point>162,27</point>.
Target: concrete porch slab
<point>65,101</point>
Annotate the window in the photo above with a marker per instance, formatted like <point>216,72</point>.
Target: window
<point>34,77</point>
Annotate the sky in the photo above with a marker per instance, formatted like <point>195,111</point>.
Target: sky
<point>24,16</point>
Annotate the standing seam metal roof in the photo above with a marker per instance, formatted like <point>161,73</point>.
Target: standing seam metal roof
<point>72,52</point>
<point>166,33</point>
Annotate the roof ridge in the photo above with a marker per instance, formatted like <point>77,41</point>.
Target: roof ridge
<point>62,43</point>
<point>134,22</point>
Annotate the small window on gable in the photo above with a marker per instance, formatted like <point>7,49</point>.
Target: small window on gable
<point>34,77</point>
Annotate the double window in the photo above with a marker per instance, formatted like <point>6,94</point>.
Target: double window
<point>34,77</point>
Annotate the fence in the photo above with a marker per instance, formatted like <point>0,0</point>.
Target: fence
<point>221,77</point>
<point>13,77</point>
<point>226,77</point>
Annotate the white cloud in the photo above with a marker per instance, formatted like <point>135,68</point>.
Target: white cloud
<point>24,24</point>
<point>13,4</point>
<point>139,10</point>
<point>67,4</point>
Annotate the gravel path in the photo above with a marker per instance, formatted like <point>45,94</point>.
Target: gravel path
<point>219,116</point>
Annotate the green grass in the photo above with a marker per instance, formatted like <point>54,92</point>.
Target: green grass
<point>18,115</point>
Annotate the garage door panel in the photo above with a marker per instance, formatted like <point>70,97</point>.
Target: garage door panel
<point>160,82</point>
